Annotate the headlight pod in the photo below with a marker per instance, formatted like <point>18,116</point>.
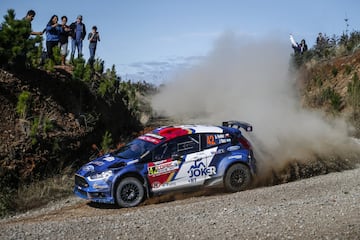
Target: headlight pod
<point>102,175</point>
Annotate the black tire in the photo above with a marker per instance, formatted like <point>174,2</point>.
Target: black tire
<point>237,178</point>
<point>129,192</point>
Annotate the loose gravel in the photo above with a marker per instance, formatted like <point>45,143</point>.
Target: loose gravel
<point>322,207</point>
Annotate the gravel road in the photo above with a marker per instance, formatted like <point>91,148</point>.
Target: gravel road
<point>322,207</point>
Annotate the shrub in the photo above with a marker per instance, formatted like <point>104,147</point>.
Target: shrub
<point>333,97</point>
<point>354,92</point>
<point>106,142</point>
<point>348,69</point>
<point>334,71</point>
<point>22,104</point>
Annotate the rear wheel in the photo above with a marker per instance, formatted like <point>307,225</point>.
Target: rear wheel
<point>237,178</point>
<point>129,192</point>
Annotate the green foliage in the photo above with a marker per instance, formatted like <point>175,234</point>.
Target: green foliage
<point>34,129</point>
<point>333,97</point>
<point>15,44</point>
<point>348,69</point>
<point>106,141</point>
<point>99,66</point>
<point>350,42</point>
<point>57,55</point>
<point>79,68</point>
<point>22,104</point>
<point>39,128</point>
<point>107,84</point>
<point>49,65</point>
<point>334,71</point>
<point>34,56</point>
<point>318,80</point>
<point>354,93</point>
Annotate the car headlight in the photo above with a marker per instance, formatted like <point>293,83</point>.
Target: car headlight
<point>102,175</point>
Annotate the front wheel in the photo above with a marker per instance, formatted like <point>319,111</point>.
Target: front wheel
<point>237,178</point>
<point>129,192</point>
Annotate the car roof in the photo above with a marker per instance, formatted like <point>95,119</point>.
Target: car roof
<point>169,132</point>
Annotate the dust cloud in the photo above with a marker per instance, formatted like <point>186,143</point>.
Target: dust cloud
<point>251,80</point>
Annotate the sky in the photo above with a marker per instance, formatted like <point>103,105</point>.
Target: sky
<point>151,40</point>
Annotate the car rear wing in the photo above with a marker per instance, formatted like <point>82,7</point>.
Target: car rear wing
<point>239,124</point>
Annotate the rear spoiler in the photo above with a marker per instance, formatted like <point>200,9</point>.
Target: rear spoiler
<point>239,124</point>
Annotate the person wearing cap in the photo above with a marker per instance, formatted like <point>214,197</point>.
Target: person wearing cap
<point>78,33</point>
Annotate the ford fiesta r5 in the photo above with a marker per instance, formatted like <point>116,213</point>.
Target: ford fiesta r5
<point>168,159</point>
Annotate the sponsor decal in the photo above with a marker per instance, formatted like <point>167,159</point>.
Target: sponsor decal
<point>192,180</point>
<point>156,184</point>
<point>109,158</point>
<point>215,139</point>
<point>154,136</point>
<point>150,139</point>
<point>199,169</point>
<point>88,168</point>
<point>168,184</point>
<point>236,157</point>
<point>163,168</point>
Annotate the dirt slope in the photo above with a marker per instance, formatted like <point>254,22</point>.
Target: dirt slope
<point>73,115</point>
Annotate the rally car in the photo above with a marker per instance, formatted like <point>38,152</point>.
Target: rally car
<point>170,158</point>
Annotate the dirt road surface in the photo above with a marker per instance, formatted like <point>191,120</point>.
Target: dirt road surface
<point>321,207</point>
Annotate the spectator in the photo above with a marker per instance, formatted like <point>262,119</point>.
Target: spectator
<point>303,46</point>
<point>298,48</point>
<point>53,30</point>
<point>64,39</point>
<point>78,33</point>
<point>93,37</point>
<point>320,40</point>
<point>29,17</point>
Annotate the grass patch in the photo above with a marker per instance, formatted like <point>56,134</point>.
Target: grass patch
<point>42,192</point>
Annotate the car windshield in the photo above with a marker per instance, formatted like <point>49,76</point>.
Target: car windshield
<point>134,149</point>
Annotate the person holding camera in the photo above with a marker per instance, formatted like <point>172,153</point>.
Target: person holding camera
<point>93,37</point>
<point>53,30</point>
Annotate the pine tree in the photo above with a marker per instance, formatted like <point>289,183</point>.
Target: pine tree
<point>15,44</point>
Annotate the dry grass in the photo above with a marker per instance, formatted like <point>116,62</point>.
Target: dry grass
<point>42,192</point>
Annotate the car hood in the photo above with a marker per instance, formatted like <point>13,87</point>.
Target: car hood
<point>104,163</point>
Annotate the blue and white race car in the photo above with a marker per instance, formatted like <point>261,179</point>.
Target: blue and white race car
<point>168,159</point>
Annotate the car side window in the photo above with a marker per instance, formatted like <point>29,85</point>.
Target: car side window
<point>188,144</point>
<point>164,151</point>
<point>181,146</point>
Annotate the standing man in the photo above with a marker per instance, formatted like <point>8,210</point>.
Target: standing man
<point>29,17</point>
<point>78,33</point>
<point>93,37</point>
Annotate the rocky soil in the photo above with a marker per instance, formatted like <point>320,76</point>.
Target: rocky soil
<point>321,207</point>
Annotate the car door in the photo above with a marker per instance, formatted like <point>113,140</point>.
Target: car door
<point>173,163</point>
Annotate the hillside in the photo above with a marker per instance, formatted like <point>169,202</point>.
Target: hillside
<point>333,86</point>
<point>60,120</point>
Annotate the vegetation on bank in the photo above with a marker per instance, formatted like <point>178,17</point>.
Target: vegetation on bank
<point>330,84</point>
